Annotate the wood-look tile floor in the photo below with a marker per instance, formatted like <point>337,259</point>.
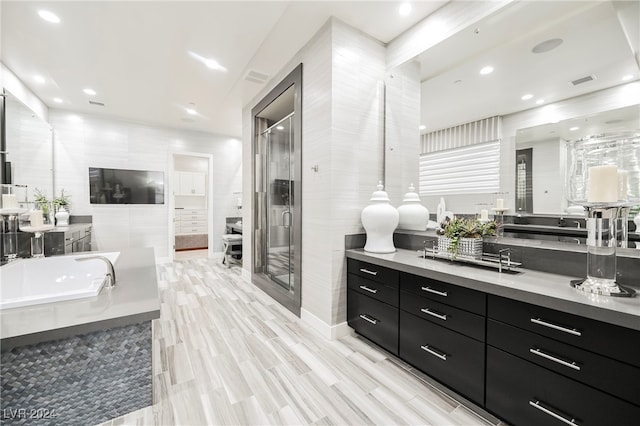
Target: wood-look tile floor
<point>226,353</point>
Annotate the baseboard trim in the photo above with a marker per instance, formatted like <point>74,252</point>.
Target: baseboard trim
<point>331,332</point>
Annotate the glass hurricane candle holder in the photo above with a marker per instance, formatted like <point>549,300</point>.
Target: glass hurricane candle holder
<point>603,175</point>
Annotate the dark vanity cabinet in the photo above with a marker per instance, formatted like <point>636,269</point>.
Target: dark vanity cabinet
<point>442,331</point>
<point>560,368</point>
<point>372,303</point>
<point>527,364</point>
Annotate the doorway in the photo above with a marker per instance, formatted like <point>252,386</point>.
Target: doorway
<point>191,202</point>
<point>277,183</point>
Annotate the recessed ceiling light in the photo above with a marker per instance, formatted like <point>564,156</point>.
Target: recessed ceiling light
<point>574,128</point>
<point>540,101</point>
<point>280,127</point>
<point>547,45</point>
<point>209,62</point>
<point>39,79</point>
<point>527,97</point>
<point>627,77</point>
<point>49,16</point>
<point>89,92</point>
<point>405,9</point>
<point>486,70</point>
<point>57,100</point>
<point>191,109</point>
<point>422,127</point>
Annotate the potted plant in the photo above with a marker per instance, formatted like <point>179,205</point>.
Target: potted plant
<point>463,237</point>
<point>62,201</point>
<point>62,204</point>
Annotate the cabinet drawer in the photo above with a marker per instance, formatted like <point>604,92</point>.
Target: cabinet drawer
<point>190,222</point>
<point>191,212</point>
<point>447,316</point>
<point>526,394</point>
<point>617,378</point>
<point>373,319</point>
<point>616,342</point>
<point>373,272</point>
<point>459,297</point>
<point>455,360</point>
<point>374,289</point>
<point>187,229</point>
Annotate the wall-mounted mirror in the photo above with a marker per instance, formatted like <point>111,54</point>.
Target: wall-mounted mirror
<point>541,53</point>
<point>29,149</point>
<point>540,157</point>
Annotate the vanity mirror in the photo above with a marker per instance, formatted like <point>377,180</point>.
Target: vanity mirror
<point>531,64</point>
<point>29,149</point>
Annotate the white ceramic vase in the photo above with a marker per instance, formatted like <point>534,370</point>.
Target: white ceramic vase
<point>379,220</point>
<point>62,217</point>
<point>413,215</point>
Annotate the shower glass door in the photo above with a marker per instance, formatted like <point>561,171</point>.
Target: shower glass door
<point>279,177</point>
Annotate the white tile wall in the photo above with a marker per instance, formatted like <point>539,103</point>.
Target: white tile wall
<point>342,74</point>
<point>83,141</point>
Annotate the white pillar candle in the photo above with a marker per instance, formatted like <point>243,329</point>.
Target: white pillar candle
<point>9,201</point>
<point>623,184</point>
<point>36,219</point>
<point>500,203</point>
<point>603,184</point>
<point>484,214</point>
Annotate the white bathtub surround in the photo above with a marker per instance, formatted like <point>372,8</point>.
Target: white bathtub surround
<point>413,215</point>
<point>379,220</point>
<point>29,282</point>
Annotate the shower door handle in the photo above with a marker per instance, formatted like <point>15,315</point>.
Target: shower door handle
<point>286,218</point>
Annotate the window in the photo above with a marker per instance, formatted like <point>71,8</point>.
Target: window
<point>470,169</point>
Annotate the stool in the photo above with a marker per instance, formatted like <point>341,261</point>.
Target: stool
<point>231,249</point>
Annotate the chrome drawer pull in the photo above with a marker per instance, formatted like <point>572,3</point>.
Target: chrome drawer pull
<point>370,290</point>
<point>366,271</point>
<point>552,414</point>
<point>556,327</point>
<point>371,320</point>
<point>430,290</point>
<point>434,314</point>
<point>434,353</point>
<point>554,359</point>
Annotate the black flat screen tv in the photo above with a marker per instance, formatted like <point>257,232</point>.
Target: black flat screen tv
<point>119,186</point>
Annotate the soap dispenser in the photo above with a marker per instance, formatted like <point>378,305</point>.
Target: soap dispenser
<point>379,220</point>
<point>413,215</point>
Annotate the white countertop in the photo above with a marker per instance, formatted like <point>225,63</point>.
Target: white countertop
<point>541,288</point>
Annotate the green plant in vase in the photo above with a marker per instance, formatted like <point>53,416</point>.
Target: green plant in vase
<point>457,228</point>
<point>41,201</point>
<point>62,201</point>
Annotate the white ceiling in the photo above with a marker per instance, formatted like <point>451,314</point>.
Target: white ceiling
<point>594,44</point>
<point>134,54</point>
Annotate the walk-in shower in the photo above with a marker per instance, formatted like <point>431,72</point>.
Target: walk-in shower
<point>276,234</point>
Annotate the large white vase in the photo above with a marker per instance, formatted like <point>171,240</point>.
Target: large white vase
<point>413,215</point>
<point>62,217</point>
<point>379,220</point>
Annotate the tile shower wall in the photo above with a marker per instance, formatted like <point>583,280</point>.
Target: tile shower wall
<point>83,141</point>
<point>343,72</point>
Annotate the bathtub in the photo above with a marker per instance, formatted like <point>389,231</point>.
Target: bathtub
<point>27,282</point>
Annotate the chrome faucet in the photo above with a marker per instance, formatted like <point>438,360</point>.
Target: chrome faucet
<point>577,223</point>
<point>110,277</point>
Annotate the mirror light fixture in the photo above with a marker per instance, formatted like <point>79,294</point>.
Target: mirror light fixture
<point>89,91</point>
<point>57,100</point>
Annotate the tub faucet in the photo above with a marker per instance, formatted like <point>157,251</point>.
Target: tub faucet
<point>110,277</point>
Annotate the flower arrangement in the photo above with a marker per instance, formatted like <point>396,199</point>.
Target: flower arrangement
<point>458,228</point>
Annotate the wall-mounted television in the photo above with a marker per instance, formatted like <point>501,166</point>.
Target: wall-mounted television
<point>120,186</point>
